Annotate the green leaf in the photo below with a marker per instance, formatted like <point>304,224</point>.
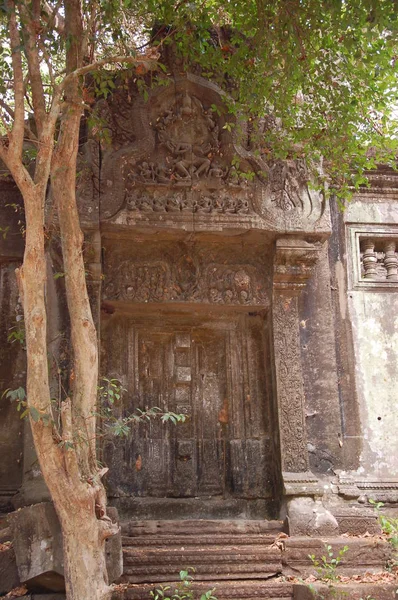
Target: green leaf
<point>34,413</point>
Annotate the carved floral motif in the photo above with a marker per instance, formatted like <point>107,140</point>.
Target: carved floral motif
<point>289,384</point>
<point>293,263</point>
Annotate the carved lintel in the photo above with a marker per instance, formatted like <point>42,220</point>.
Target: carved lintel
<point>294,259</point>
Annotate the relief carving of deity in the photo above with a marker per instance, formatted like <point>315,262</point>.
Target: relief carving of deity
<point>187,140</point>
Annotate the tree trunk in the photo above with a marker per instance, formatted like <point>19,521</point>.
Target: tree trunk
<point>84,556</point>
<point>75,497</point>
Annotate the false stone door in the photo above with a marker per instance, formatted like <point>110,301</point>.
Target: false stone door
<point>210,370</point>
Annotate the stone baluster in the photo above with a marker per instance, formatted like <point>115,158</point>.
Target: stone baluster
<point>369,259</point>
<point>391,260</point>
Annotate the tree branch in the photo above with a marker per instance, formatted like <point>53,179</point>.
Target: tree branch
<point>29,133</point>
<point>54,18</point>
<point>17,133</point>
<point>46,142</point>
<point>32,55</point>
<point>148,65</point>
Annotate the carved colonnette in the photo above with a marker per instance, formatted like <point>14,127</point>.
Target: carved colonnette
<point>293,263</point>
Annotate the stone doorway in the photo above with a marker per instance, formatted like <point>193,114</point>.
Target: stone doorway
<point>212,367</point>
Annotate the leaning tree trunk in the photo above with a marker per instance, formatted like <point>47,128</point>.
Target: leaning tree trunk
<point>85,525</point>
<point>78,498</point>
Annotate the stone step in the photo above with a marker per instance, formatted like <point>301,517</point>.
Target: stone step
<point>352,591</point>
<point>207,567</point>
<point>222,554</point>
<point>198,540</point>
<point>222,551</point>
<point>189,527</point>
<point>224,590</point>
<point>155,551</point>
<point>368,554</point>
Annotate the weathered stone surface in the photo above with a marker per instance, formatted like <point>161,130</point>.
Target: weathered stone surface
<point>217,298</point>
<point>363,554</point>
<point>12,222</point>
<point>113,550</point>
<point>222,453</point>
<point>39,552</point>
<point>154,551</point>
<point>371,223</point>
<point>9,578</point>
<point>359,591</point>
<point>5,535</point>
<point>309,517</point>
<point>190,530</point>
<point>38,547</point>
<point>170,160</point>
<point>224,590</point>
<point>357,521</point>
<point>49,596</point>
<point>12,368</point>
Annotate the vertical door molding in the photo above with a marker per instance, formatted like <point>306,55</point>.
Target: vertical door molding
<point>293,262</point>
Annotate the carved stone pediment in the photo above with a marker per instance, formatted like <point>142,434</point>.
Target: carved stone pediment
<point>178,153</point>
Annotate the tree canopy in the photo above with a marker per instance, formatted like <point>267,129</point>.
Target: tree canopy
<point>322,74</point>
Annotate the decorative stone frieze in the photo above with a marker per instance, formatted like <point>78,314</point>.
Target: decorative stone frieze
<point>183,274</point>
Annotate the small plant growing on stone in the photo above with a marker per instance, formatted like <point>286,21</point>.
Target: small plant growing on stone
<point>326,566</point>
<point>183,589</point>
<point>389,525</point>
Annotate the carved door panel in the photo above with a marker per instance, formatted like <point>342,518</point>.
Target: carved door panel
<point>216,376</point>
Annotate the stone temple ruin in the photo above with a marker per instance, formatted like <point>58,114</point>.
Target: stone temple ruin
<point>252,305</point>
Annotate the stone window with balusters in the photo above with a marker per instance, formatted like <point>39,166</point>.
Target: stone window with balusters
<point>379,259</point>
<point>374,257</point>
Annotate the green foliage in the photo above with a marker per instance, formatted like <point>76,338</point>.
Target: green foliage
<point>17,332</point>
<point>4,231</point>
<point>324,72</point>
<point>18,395</point>
<point>110,392</point>
<point>389,526</point>
<point>121,426</point>
<point>183,589</point>
<point>321,76</point>
<point>326,566</point>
